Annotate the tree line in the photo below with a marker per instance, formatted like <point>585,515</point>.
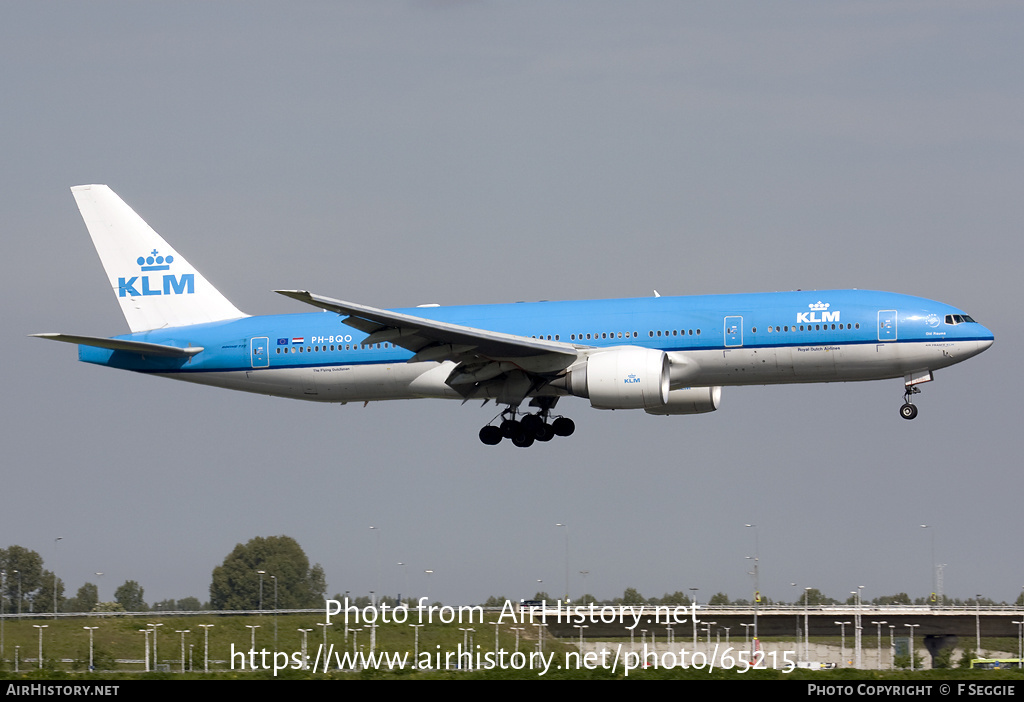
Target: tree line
<point>272,572</point>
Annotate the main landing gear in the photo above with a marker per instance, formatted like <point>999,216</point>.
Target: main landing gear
<point>531,427</point>
<point>909,409</point>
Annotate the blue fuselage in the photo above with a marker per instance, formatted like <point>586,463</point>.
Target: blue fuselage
<point>801,336</point>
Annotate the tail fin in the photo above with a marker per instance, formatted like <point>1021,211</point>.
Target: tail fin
<point>155,286</point>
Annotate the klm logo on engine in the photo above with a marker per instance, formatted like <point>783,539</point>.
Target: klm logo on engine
<point>814,316</point>
<point>166,284</point>
<point>631,378</point>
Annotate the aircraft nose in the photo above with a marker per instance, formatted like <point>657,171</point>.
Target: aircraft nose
<point>987,339</point>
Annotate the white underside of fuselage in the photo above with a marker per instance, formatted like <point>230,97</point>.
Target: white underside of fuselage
<point>824,363</point>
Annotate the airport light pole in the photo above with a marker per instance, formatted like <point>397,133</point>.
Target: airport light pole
<point>261,574</point>
<point>977,623</point>
<point>324,626</point>
<point>206,647</point>
<point>377,531</point>
<point>892,647</point>
<point>581,627</point>
<point>912,627</point>
<point>373,636</point>
<point>842,645</point>
<point>517,629</point>
<point>40,627</point>
<point>757,584</point>
<point>879,625</point>
<point>155,659</point>
<point>797,602</point>
<point>90,629</point>
<point>405,583</point>
<point>1020,643</point>
<point>275,612</point>
<point>936,580</point>
<point>566,527</point>
<point>182,632</point>
<point>305,656</point>
<point>416,645</point>
<point>807,637</point>
<point>59,538</point>
<point>693,601</point>
<point>145,632</point>
<point>858,627</point>
<point>707,627</point>
<point>346,622</point>
<point>427,573</point>
<point>252,635</point>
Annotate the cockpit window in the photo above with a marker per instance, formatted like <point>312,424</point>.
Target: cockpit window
<point>958,318</point>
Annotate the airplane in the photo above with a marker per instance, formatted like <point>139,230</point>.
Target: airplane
<point>664,355</point>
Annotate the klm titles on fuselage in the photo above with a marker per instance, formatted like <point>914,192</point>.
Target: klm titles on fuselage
<point>168,283</point>
<point>813,317</point>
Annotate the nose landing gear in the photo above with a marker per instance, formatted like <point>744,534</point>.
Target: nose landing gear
<point>909,409</point>
<point>910,382</point>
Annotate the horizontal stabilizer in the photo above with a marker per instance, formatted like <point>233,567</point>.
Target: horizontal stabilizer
<point>139,347</point>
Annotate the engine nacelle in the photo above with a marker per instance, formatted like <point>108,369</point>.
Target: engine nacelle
<point>625,377</point>
<point>689,401</point>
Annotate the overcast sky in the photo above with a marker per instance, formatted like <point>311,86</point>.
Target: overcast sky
<point>461,152</point>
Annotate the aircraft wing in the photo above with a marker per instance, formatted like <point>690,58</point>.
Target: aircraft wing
<point>433,340</point>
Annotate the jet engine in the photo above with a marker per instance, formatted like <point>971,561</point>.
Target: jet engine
<point>625,377</point>
<point>689,401</point>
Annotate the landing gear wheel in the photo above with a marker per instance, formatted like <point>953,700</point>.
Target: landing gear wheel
<point>522,439</point>
<point>908,411</point>
<point>532,423</point>
<point>491,435</point>
<point>563,426</point>
<point>508,427</point>
<point>544,432</point>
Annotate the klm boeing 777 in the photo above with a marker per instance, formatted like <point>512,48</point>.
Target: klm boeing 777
<point>664,355</point>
